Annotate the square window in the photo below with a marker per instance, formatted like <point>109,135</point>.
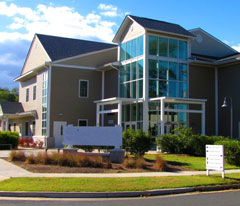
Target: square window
<point>27,94</point>
<point>82,122</point>
<point>34,92</point>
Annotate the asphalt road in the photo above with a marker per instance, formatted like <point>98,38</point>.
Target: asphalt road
<point>224,198</point>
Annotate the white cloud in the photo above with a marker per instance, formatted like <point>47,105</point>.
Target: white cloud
<point>61,21</point>
<point>237,47</point>
<point>10,59</point>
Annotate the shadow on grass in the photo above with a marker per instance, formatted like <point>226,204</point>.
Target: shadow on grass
<point>177,163</point>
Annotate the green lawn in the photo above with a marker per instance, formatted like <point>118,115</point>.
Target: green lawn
<point>113,184</point>
<point>196,163</point>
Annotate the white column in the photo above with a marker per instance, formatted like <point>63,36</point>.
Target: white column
<point>2,124</point>
<point>6,125</point>
<point>120,113</point>
<point>216,101</point>
<point>145,83</point>
<point>203,118</point>
<point>98,115</point>
<point>103,87</point>
<point>49,99</point>
<point>162,116</point>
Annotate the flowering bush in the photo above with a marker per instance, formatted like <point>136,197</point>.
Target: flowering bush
<point>28,142</point>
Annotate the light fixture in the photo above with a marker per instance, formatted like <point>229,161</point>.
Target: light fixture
<point>224,105</point>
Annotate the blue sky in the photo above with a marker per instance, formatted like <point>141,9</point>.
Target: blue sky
<point>99,20</point>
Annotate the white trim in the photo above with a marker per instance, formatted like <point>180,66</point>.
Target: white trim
<point>183,110</point>
<point>216,101</point>
<point>70,66</point>
<point>108,111</point>
<point>84,80</point>
<point>213,37</point>
<point>49,100</point>
<point>83,120</point>
<point>85,54</point>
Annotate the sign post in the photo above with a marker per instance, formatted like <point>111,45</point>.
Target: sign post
<point>215,158</point>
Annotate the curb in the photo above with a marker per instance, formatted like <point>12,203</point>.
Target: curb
<point>118,194</point>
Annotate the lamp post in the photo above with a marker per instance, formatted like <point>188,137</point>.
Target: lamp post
<point>225,104</point>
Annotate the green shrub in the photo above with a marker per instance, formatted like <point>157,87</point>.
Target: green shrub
<point>231,150</point>
<point>186,142</point>
<point>7,137</point>
<point>137,142</point>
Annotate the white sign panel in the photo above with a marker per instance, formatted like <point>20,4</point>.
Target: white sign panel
<point>215,158</point>
<point>93,136</point>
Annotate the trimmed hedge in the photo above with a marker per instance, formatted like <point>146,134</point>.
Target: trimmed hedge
<point>186,142</point>
<point>7,137</point>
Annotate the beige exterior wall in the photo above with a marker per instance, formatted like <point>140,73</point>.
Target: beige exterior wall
<point>93,60</point>
<point>202,86</point>
<point>66,105</point>
<point>228,79</point>
<point>209,46</point>
<point>132,31</point>
<point>36,56</point>
<point>33,104</point>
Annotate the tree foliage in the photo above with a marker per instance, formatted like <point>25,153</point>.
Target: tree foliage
<point>8,96</point>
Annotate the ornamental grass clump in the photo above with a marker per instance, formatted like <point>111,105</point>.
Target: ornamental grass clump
<point>160,164</point>
<point>133,163</point>
<point>17,156</point>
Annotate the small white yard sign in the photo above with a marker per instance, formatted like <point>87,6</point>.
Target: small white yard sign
<point>215,158</point>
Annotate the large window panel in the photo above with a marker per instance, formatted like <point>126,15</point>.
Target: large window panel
<point>127,90</point>
<point>123,74</point>
<point>173,48</point>
<point>153,68</point>
<point>123,91</point>
<point>153,85</point>
<point>172,72</point>
<point>128,73</point>
<point>153,45</point>
<point>140,45</point>
<point>123,52</point>
<point>140,88</point>
<point>134,70</point>
<point>183,72</point>
<point>182,49</point>
<point>128,50</point>
<point>134,48</point>
<point>133,89</point>
<point>162,86</point>
<point>163,68</point>
<point>140,69</point>
<point>183,90</point>
<point>139,111</point>
<point>133,112</point>
<point>172,89</point>
<point>163,46</point>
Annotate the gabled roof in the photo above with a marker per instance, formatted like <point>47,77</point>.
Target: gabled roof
<point>60,47</point>
<point>154,25</point>
<point>11,107</point>
<point>161,26</point>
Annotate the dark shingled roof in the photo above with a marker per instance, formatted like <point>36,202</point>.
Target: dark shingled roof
<point>11,107</point>
<point>60,47</point>
<point>161,26</point>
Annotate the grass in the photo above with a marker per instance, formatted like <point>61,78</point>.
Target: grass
<point>113,184</point>
<point>196,163</point>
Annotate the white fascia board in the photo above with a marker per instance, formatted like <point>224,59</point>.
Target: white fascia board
<point>171,33</point>
<point>70,66</point>
<point>179,100</point>
<point>83,55</point>
<point>31,72</point>
<point>213,37</point>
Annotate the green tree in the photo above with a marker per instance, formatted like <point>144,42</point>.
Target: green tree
<point>8,96</point>
<point>137,142</point>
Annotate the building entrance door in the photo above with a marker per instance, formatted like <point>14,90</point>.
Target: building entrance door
<point>131,125</point>
<point>58,133</point>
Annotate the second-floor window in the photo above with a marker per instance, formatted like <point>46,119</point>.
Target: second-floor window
<point>27,94</point>
<point>34,92</point>
<point>83,88</point>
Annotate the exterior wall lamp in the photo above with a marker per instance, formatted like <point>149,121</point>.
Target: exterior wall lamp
<point>225,104</point>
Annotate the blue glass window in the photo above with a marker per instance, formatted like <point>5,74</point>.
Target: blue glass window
<point>123,52</point>
<point>182,49</point>
<point>122,74</point>
<point>172,72</point>
<point>133,89</point>
<point>153,68</point>
<point>173,48</point>
<point>183,72</point>
<point>140,69</point>
<point>134,47</point>
<point>134,70</point>
<point>140,45</point>
<point>128,50</point>
<point>183,89</point>
<point>128,72</point>
<point>153,45</point>
<point>172,89</point>
<point>153,85</point>
<point>140,88</point>
<point>162,88</point>
<point>163,46</point>
<point>163,68</point>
